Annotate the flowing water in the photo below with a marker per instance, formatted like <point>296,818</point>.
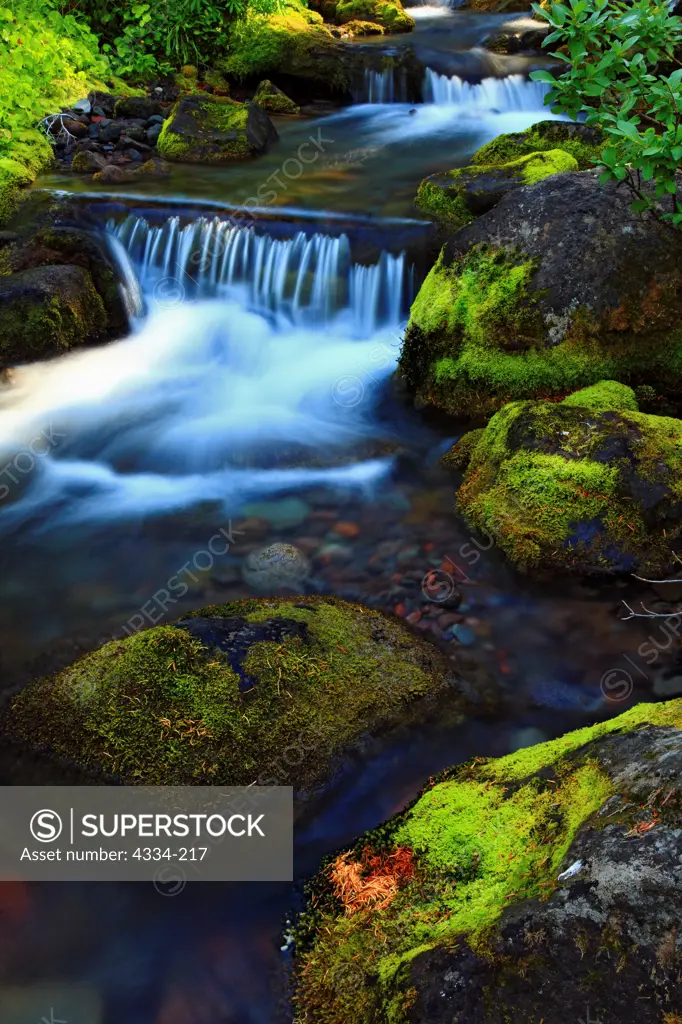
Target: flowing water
<point>254,392</point>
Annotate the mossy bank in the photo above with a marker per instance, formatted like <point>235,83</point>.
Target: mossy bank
<point>463,907</point>
<point>271,690</point>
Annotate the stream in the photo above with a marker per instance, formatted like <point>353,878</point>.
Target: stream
<point>254,395</point>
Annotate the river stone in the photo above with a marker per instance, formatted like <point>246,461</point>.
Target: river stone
<point>274,567</point>
<point>46,311</point>
<point>212,131</point>
<point>274,691</point>
<point>542,886</point>
<point>559,286</point>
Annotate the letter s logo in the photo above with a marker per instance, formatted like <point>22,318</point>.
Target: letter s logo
<point>46,826</point>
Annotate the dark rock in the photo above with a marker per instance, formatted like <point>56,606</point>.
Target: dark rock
<point>77,128</point>
<point>203,130</point>
<point>136,106</point>
<point>111,132</point>
<point>102,101</point>
<point>153,134</point>
<point>113,174</point>
<point>46,311</point>
<point>87,162</point>
<point>156,119</point>
<point>591,290</point>
<point>93,131</point>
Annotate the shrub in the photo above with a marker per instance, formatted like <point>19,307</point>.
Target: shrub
<point>623,75</point>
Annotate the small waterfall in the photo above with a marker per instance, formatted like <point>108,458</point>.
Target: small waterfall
<point>129,286</point>
<point>503,95</point>
<point>388,86</point>
<point>307,279</point>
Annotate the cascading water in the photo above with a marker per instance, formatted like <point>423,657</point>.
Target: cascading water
<point>307,279</point>
<point>513,94</point>
<point>255,352</point>
<point>388,86</point>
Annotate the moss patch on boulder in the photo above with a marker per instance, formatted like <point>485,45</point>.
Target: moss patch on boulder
<point>390,14</point>
<point>204,130</point>
<point>418,921</point>
<point>272,99</point>
<point>228,693</point>
<point>585,485</point>
<point>581,142</point>
<point>557,287</point>
<point>46,311</point>
<point>456,197</point>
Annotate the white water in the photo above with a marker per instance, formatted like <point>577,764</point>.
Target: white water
<point>305,280</point>
<point>386,86</point>
<point>172,415</point>
<point>512,94</point>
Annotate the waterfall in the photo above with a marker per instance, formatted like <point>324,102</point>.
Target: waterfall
<point>388,86</point>
<point>304,280</point>
<point>515,93</point>
<point>129,284</point>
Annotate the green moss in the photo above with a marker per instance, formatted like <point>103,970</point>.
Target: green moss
<point>489,834</point>
<point>364,28</point>
<point>460,454</point>
<point>220,132</point>
<point>607,394</point>
<point>390,14</point>
<point>262,44</point>
<point>161,708</point>
<point>547,135</point>
<point>272,99</point>
<point>454,197</point>
<point>13,178</point>
<point>568,485</point>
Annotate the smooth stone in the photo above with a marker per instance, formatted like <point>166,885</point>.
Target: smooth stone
<point>274,567</point>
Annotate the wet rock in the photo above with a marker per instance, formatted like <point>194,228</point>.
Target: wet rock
<point>113,175</point>
<point>273,691</point>
<point>390,14</point>
<point>557,287</point>
<point>275,567</point>
<point>542,886</point>
<point>203,130</point>
<point>76,128</point>
<point>272,99</point>
<point>456,197</point>
<point>152,134</point>
<point>104,101</point>
<point>88,161</point>
<point>111,132</point>
<point>46,311</point>
<point>136,106</point>
<point>584,485</point>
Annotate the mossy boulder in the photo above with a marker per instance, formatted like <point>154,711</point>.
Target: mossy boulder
<point>201,130</point>
<point>259,690</point>
<point>456,197</point>
<point>523,888</point>
<point>363,28</point>
<point>47,311</point>
<point>582,142</point>
<point>584,485</point>
<point>272,99</point>
<point>14,178</point>
<point>390,14</point>
<point>559,286</point>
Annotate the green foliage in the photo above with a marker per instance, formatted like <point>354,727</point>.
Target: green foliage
<point>46,60</point>
<point>618,57</point>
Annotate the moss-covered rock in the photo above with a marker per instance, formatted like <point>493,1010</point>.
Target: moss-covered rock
<point>390,14</point>
<point>363,28</point>
<point>272,99</point>
<point>456,197</point>
<point>587,484</point>
<point>255,690</point>
<point>580,141</point>
<point>516,889</point>
<point>559,286</point>
<point>14,177</point>
<point>46,311</point>
<point>208,131</point>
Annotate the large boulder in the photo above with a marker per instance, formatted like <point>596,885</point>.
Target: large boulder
<point>273,690</point>
<point>455,197</point>
<point>390,14</point>
<point>559,286</point>
<point>201,130</point>
<point>586,485</point>
<point>47,310</point>
<point>544,886</point>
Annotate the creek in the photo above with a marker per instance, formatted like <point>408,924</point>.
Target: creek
<point>255,393</point>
